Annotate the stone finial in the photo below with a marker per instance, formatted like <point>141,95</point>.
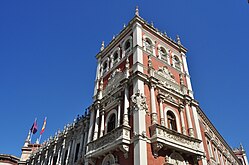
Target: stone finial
<point>124,25</point>
<point>241,147</point>
<point>178,39</point>
<point>152,24</point>
<point>102,46</point>
<point>165,33</point>
<point>137,11</point>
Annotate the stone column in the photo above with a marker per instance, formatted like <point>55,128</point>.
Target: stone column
<point>92,114</point>
<point>153,104</point>
<point>72,152</point>
<point>102,126</point>
<point>63,149</point>
<point>85,139</point>
<point>162,120</point>
<point>81,143</point>
<point>96,128</point>
<point>119,112</point>
<point>139,109</point>
<point>190,126</point>
<point>126,105</point>
<point>68,152</point>
<point>98,74</point>
<point>111,61</point>
<point>181,110</point>
<point>58,162</point>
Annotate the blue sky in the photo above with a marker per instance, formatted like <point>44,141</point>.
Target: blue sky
<point>48,48</point>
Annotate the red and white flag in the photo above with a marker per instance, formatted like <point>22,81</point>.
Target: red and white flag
<point>44,125</point>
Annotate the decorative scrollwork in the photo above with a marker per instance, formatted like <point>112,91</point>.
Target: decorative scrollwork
<point>139,101</point>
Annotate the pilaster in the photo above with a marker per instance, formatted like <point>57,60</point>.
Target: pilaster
<point>139,109</point>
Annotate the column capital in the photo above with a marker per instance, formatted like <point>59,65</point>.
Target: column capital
<point>181,107</point>
<point>102,112</point>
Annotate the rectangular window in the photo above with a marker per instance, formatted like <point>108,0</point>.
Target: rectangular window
<point>209,149</point>
<point>77,152</point>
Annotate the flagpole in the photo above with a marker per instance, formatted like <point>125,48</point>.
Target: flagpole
<point>32,131</point>
<point>43,128</point>
<point>39,139</point>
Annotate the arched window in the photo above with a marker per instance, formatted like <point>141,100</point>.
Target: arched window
<point>105,67</point>
<point>163,54</point>
<point>111,123</point>
<point>177,63</point>
<point>127,45</point>
<point>116,57</point>
<point>171,120</point>
<point>108,160</point>
<point>148,45</point>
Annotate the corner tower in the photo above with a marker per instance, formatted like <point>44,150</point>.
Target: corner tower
<point>144,111</point>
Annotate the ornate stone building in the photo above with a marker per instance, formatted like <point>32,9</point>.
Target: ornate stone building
<point>6,159</point>
<point>143,112</point>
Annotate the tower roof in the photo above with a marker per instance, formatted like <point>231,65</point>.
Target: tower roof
<point>137,18</point>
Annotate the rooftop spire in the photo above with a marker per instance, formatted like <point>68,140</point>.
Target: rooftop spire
<point>178,39</point>
<point>137,11</point>
<point>102,46</point>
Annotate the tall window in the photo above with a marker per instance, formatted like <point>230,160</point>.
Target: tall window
<point>148,45</point>
<point>76,152</point>
<point>171,120</point>
<point>209,149</point>
<point>127,46</point>
<point>105,67</point>
<point>163,54</point>
<point>111,123</point>
<point>116,57</point>
<point>177,63</point>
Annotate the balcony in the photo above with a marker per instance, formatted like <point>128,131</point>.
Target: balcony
<point>162,137</point>
<point>118,138</point>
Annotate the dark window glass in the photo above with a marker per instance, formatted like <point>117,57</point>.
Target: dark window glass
<point>111,123</point>
<point>77,152</point>
<point>127,45</point>
<point>171,120</point>
<point>115,56</point>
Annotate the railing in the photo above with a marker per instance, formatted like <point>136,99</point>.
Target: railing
<point>174,140</point>
<point>108,142</point>
<point>164,57</point>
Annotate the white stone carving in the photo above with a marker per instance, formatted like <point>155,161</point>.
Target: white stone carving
<point>167,79</point>
<point>113,81</point>
<point>164,71</point>
<point>139,102</point>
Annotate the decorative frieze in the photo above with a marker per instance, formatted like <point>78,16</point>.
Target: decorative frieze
<point>113,81</point>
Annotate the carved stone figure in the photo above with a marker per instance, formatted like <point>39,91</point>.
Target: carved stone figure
<point>139,101</point>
